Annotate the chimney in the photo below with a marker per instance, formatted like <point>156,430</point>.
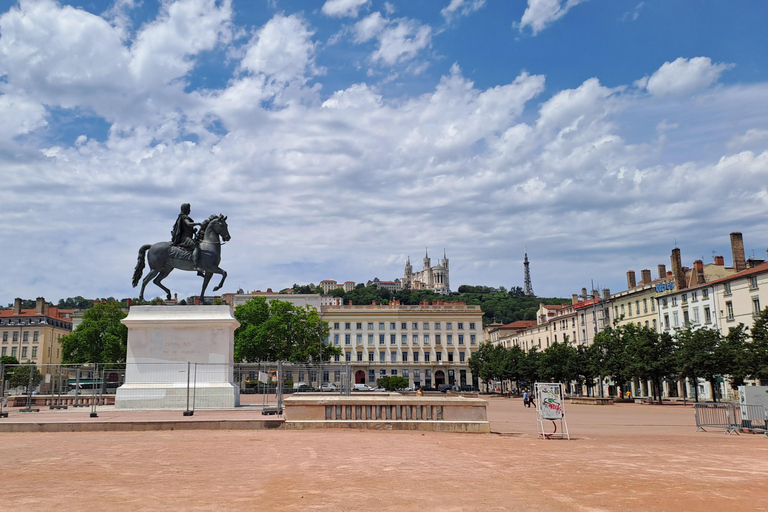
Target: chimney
<point>662,271</point>
<point>677,269</point>
<point>646,273</point>
<point>584,293</point>
<point>595,295</point>
<point>737,248</point>
<point>39,305</point>
<point>17,306</point>
<point>574,299</point>
<point>698,269</point>
<point>606,293</point>
<point>631,279</point>
<point>719,261</point>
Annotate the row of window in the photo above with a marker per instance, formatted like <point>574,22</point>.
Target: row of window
<point>404,339</point>
<point>14,352</point>
<point>618,314</point>
<point>752,285</point>
<point>403,325</point>
<point>25,337</point>
<point>403,357</point>
<point>405,372</point>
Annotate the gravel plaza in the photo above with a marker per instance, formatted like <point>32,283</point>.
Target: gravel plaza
<point>620,457</point>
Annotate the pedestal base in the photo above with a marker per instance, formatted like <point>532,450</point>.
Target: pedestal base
<point>165,396</point>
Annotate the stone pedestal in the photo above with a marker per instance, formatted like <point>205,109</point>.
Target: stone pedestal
<point>178,354</point>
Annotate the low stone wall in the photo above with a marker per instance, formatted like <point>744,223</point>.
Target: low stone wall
<point>68,400</point>
<point>591,400</point>
<point>391,412</point>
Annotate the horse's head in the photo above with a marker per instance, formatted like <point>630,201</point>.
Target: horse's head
<point>219,226</point>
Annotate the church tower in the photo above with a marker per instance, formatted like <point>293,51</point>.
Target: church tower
<point>408,276</point>
<point>427,273</point>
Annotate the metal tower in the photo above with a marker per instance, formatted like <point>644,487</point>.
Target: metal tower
<point>528,287</point>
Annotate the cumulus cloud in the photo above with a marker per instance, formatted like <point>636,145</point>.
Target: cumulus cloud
<point>312,178</point>
<point>399,40</point>
<point>282,50</point>
<point>541,13</point>
<point>684,76</point>
<point>343,8</point>
<point>461,8</point>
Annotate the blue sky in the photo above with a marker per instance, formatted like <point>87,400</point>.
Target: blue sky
<point>343,136</point>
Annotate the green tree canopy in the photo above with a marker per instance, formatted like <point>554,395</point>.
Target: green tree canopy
<point>392,383</point>
<point>21,374</point>
<point>558,363</point>
<point>280,331</point>
<point>101,338</point>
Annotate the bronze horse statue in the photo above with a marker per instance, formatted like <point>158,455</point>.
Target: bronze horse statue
<point>163,257</point>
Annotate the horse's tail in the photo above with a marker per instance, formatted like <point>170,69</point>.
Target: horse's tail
<point>140,264</point>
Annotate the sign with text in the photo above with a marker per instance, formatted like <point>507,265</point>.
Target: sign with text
<point>550,400</point>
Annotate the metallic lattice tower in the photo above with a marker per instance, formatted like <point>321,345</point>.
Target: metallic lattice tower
<point>528,287</point>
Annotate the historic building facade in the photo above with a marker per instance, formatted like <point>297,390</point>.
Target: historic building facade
<point>429,278</point>
<point>34,334</point>
<point>429,344</point>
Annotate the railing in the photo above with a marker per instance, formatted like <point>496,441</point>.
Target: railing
<point>731,417</point>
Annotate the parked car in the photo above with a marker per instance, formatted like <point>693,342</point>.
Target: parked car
<point>329,386</point>
<point>428,388</point>
<point>467,387</point>
<point>302,387</point>
<point>362,387</point>
<point>379,388</point>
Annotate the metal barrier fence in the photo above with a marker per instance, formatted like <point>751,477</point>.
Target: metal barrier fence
<point>180,386</point>
<point>731,417</point>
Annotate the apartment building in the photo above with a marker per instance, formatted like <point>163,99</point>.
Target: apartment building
<point>428,344</point>
<point>34,334</point>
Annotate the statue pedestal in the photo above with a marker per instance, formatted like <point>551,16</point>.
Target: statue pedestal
<point>179,355</point>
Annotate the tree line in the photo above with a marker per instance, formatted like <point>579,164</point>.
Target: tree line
<point>628,352</point>
<point>499,305</point>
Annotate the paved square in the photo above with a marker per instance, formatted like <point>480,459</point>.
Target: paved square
<point>621,457</point>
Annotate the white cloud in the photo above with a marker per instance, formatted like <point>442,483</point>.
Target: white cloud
<point>541,13</point>
<point>399,40</point>
<point>164,48</point>
<point>749,138</point>
<point>312,179</point>
<point>684,76</point>
<point>343,8</point>
<point>369,27</point>
<point>461,8</point>
<point>283,50</point>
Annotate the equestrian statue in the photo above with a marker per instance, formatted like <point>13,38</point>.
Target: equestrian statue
<point>197,250</point>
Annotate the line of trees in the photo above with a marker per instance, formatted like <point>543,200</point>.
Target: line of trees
<point>627,352</point>
<point>499,305</point>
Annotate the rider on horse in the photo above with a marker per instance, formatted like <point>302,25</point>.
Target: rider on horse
<point>183,234</point>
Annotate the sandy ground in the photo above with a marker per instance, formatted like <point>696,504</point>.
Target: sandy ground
<point>620,457</point>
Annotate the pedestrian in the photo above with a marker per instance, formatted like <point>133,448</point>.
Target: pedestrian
<point>525,398</point>
<point>531,401</point>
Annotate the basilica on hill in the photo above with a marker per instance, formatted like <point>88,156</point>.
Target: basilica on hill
<point>430,278</point>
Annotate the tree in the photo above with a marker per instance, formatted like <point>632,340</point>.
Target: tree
<point>610,353</point>
<point>21,375</point>
<point>392,383</point>
<point>757,357</point>
<point>8,360</point>
<point>101,338</point>
<point>650,355</point>
<point>280,331</point>
<point>701,353</point>
<point>529,366</point>
<point>558,363</point>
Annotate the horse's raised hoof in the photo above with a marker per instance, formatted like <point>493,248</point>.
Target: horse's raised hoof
<point>216,288</point>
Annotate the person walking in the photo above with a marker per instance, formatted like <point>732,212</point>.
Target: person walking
<point>525,398</point>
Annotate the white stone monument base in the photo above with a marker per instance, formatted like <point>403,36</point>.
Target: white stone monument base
<point>165,396</point>
<point>172,349</point>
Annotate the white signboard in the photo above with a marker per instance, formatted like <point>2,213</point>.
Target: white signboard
<point>550,401</point>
